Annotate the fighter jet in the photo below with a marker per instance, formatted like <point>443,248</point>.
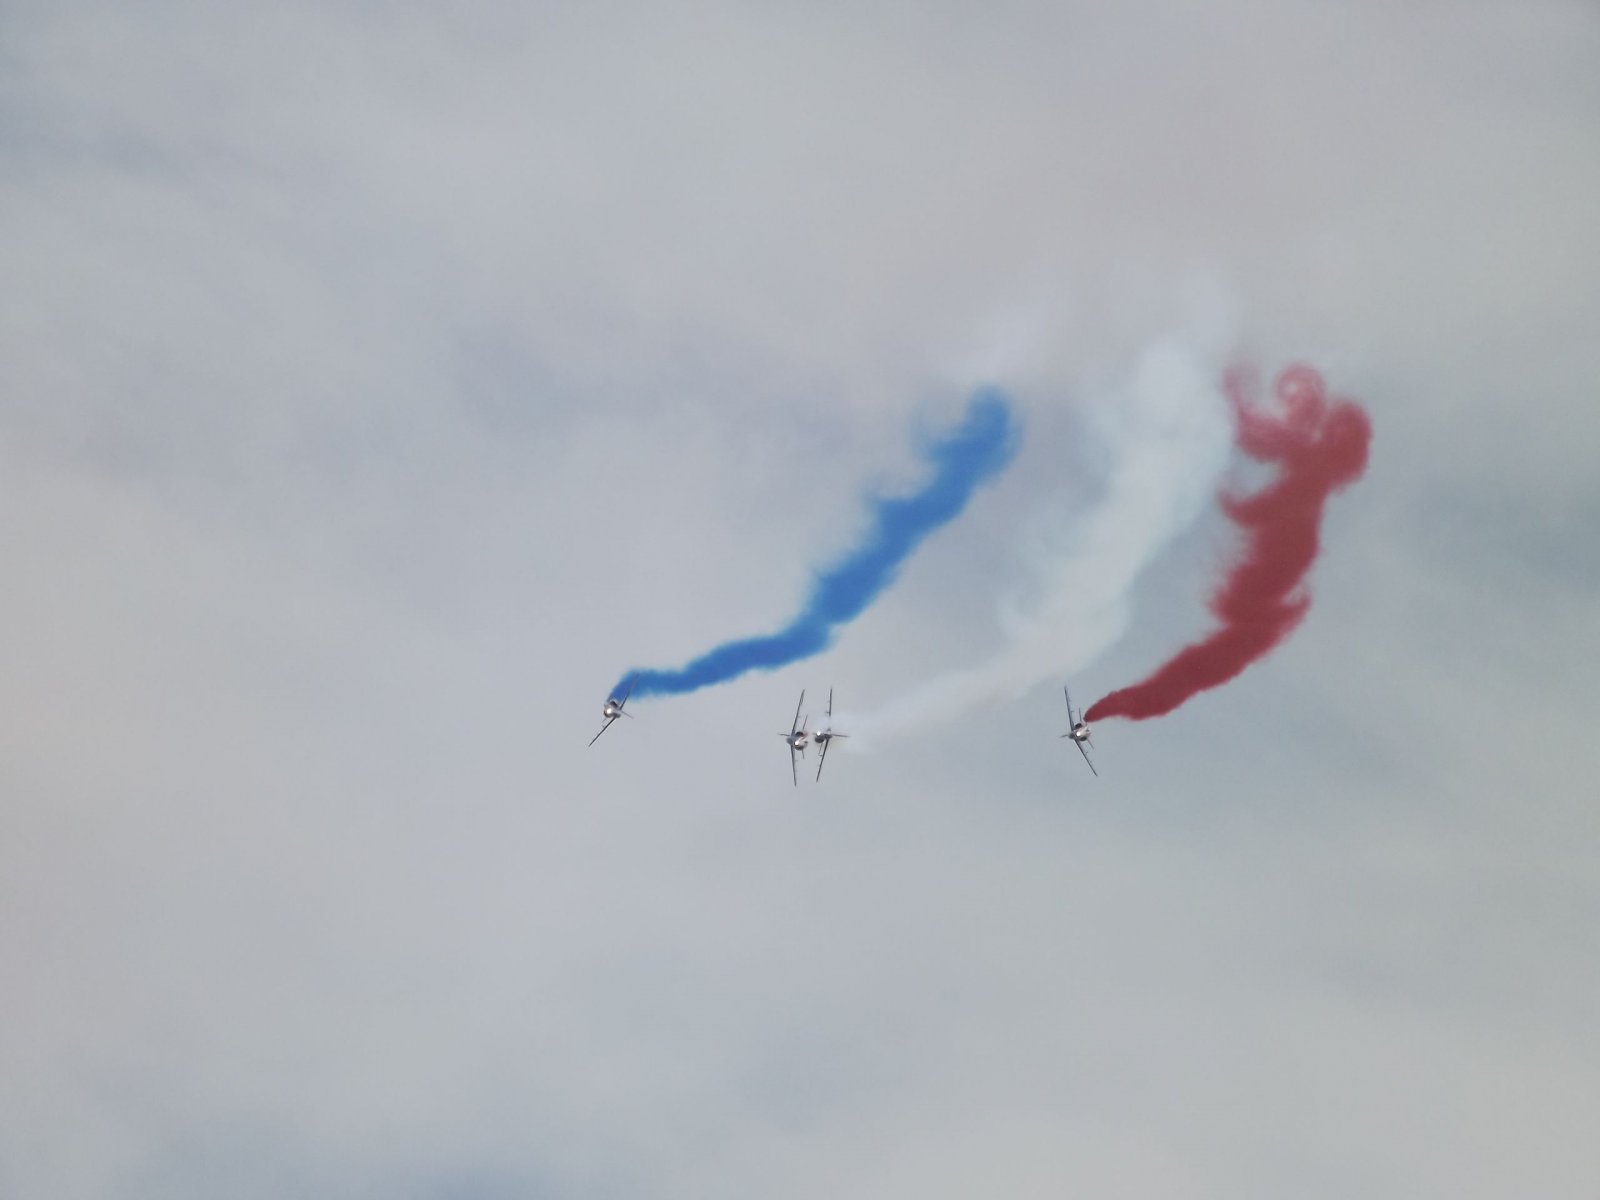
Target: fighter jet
<point>823,736</point>
<point>796,737</point>
<point>1079,732</point>
<point>613,710</point>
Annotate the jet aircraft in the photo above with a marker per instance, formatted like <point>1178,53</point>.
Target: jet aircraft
<point>823,736</point>
<point>1079,733</point>
<point>796,738</point>
<point>613,710</point>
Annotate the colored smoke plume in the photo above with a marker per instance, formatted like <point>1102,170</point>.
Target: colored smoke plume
<point>970,455</point>
<point>1319,446</point>
<point>1162,437</point>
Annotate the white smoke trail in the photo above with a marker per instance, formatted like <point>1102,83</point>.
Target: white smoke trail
<point>1166,437</point>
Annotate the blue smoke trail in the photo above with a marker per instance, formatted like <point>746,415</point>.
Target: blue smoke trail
<point>970,455</point>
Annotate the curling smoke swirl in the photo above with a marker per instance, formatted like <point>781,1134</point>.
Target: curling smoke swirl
<point>1319,446</point>
<point>1165,438</point>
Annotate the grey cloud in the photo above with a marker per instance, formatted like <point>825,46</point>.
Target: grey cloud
<point>374,384</point>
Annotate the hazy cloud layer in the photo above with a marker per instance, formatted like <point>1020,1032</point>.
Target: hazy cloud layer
<point>374,381</point>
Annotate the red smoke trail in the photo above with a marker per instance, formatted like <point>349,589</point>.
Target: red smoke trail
<point>1318,446</point>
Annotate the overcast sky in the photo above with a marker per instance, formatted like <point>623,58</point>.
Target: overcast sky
<point>378,381</point>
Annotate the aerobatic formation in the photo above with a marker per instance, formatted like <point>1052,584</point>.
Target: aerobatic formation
<point>1316,443</point>
<point>799,737</point>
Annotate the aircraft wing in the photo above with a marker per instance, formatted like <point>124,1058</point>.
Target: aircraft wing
<point>793,769</point>
<point>1085,754</point>
<point>610,721</point>
<point>823,759</point>
<point>794,725</point>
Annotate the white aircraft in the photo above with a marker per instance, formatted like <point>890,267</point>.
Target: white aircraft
<point>613,710</point>
<point>1079,732</point>
<point>796,737</point>
<point>823,736</point>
